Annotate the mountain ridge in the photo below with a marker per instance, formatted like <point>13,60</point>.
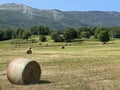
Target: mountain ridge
<point>20,15</point>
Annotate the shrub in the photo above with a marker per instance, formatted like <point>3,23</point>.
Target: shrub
<point>42,38</point>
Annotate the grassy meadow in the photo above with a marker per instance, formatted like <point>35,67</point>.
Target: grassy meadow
<point>87,65</point>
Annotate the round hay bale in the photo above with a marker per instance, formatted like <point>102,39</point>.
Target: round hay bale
<point>29,51</point>
<point>46,44</point>
<point>66,44</point>
<point>29,48</point>
<point>40,43</point>
<point>23,71</point>
<point>62,47</point>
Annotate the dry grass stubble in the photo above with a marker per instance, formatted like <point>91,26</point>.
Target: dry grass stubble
<point>75,68</point>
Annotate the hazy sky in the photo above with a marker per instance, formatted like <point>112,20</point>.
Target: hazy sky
<point>70,5</point>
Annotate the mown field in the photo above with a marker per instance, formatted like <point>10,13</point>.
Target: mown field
<point>89,65</point>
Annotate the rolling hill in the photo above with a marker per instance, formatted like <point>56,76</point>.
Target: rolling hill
<point>19,15</point>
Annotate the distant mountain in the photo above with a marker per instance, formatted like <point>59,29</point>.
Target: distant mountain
<point>19,15</point>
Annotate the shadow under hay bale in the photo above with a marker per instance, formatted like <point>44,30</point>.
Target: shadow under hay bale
<point>24,71</point>
<point>41,82</point>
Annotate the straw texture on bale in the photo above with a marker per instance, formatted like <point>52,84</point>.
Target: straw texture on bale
<point>23,71</point>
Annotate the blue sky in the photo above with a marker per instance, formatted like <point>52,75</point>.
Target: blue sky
<point>70,5</point>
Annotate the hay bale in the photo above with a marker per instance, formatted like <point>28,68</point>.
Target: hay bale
<point>29,48</point>
<point>29,51</point>
<point>19,45</point>
<point>66,44</point>
<point>62,47</point>
<point>46,44</point>
<point>40,43</point>
<point>23,71</point>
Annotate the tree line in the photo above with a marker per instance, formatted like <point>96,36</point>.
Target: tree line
<point>103,34</point>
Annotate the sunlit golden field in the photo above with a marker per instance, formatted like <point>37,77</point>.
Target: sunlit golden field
<point>87,66</point>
